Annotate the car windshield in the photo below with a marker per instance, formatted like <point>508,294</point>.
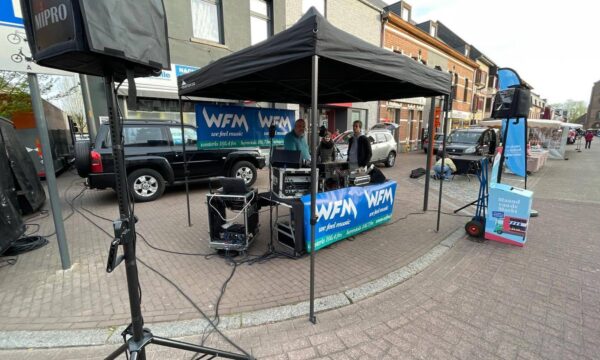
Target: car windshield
<point>464,137</point>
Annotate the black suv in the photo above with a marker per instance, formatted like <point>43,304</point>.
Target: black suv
<point>471,141</point>
<point>154,158</point>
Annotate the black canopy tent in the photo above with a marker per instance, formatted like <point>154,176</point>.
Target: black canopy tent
<point>314,63</point>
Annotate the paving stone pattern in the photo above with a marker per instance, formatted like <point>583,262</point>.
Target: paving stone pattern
<point>87,297</point>
<point>479,301</point>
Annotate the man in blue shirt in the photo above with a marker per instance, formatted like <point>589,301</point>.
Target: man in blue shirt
<point>295,140</point>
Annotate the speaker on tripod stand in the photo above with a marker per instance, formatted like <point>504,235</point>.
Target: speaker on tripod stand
<point>118,40</point>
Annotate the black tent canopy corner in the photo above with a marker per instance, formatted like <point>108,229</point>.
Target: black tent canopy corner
<point>279,69</point>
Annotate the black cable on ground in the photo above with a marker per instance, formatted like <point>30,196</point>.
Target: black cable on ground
<point>8,262</point>
<point>72,204</point>
<point>26,244</point>
<point>195,307</point>
<point>217,318</point>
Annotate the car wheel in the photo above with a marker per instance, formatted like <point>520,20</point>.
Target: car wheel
<point>145,185</point>
<point>82,158</point>
<point>391,159</point>
<point>244,170</point>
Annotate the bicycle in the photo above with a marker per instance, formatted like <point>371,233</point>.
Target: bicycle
<point>20,56</point>
<point>16,37</point>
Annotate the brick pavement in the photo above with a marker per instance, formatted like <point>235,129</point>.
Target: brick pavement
<point>480,301</point>
<point>87,297</point>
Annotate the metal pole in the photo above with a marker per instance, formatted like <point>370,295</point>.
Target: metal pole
<point>185,170</point>
<point>313,179</point>
<point>129,245</point>
<point>525,150</point>
<point>42,126</point>
<point>87,106</point>
<point>430,133</point>
<point>447,108</point>
<point>501,163</point>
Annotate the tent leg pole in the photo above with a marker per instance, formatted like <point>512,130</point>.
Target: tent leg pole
<point>313,189</point>
<point>429,153</point>
<point>185,170</point>
<point>447,108</point>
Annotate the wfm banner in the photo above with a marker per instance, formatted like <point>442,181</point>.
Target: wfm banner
<point>237,126</point>
<point>348,211</point>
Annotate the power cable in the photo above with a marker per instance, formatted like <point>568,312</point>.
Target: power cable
<point>164,277</point>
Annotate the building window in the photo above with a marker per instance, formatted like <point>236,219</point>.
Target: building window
<point>207,20</point>
<point>318,4</point>
<point>432,30</point>
<point>405,13</point>
<point>598,115</point>
<point>261,24</point>
<point>466,90</point>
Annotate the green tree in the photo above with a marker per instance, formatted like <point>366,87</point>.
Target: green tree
<point>14,91</point>
<point>14,96</point>
<point>573,108</point>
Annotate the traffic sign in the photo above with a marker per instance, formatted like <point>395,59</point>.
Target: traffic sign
<point>16,55</point>
<point>10,13</point>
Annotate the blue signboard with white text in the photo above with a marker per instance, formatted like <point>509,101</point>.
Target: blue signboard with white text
<point>238,126</point>
<point>348,211</point>
<point>508,213</point>
<point>10,13</point>
<point>514,151</point>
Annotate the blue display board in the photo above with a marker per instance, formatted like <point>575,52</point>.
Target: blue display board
<point>237,126</point>
<point>348,211</point>
<point>515,148</point>
<point>508,213</point>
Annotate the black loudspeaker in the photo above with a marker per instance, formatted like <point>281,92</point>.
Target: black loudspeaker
<point>272,129</point>
<point>93,36</point>
<point>11,223</point>
<point>511,103</point>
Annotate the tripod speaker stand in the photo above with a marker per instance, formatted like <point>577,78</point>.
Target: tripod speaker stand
<point>125,235</point>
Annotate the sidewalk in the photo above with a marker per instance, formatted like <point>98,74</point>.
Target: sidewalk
<point>86,297</point>
<point>479,301</point>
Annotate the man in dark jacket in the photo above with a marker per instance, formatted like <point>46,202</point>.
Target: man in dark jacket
<point>360,155</point>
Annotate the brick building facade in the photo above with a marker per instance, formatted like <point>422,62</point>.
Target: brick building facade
<point>402,36</point>
<point>593,113</point>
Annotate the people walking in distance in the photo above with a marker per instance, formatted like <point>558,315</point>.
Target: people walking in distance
<point>589,136</point>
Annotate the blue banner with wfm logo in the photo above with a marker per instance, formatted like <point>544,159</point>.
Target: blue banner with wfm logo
<point>348,211</point>
<point>238,126</point>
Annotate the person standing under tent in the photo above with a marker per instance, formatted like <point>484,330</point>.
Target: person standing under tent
<point>295,140</point>
<point>360,154</point>
<point>588,139</point>
<point>326,149</point>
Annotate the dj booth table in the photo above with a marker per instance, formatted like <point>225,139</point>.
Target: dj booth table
<point>341,213</point>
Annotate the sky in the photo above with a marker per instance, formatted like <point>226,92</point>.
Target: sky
<point>554,46</point>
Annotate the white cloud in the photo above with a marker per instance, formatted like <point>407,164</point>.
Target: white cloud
<point>552,45</point>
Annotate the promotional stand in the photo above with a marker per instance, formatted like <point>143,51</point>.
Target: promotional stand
<point>509,207</point>
<point>331,67</point>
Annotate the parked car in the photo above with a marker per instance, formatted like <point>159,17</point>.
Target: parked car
<point>383,146</point>
<point>471,141</point>
<point>154,159</point>
<point>389,126</point>
<point>437,142</point>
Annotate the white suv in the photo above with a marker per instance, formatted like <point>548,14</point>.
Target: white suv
<point>383,146</point>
